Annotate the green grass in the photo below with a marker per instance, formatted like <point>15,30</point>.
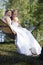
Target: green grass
<point>10,56</point>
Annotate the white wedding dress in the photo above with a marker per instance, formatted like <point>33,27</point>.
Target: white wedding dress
<point>25,41</point>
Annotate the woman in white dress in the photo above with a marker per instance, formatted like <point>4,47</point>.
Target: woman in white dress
<point>26,43</point>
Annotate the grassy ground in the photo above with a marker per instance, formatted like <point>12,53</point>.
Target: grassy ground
<point>9,56</point>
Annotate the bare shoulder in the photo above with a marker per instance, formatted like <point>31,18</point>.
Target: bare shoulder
<point>7,19</point>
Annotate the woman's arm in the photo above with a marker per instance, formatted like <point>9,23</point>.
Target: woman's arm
<point>8,21</point>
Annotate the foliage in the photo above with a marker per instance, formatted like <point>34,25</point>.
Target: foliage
<point>30,13</point>
<point>1,13</point>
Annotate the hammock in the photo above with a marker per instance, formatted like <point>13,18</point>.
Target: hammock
<point>6,29</point>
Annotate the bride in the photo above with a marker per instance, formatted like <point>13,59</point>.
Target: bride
<point>26,43</point>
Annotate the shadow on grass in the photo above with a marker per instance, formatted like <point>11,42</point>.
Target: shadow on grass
<point>19,59</point>
<point>14,58</point>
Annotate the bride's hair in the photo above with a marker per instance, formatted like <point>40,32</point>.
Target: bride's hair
<point>13,13</point>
